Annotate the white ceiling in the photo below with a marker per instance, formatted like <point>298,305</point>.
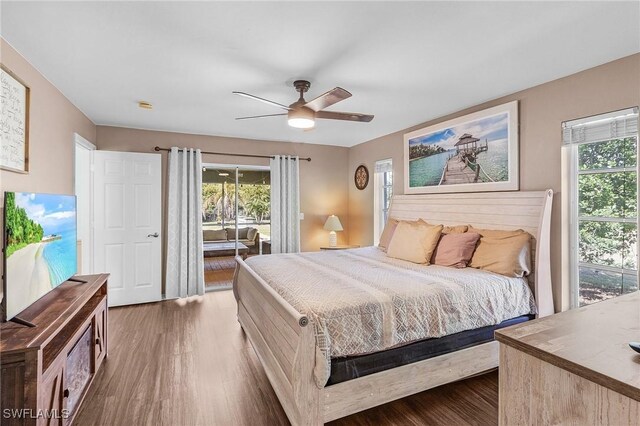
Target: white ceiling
<point>404,62</point>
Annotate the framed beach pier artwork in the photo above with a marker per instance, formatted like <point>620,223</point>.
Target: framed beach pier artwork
<point>474,153</point>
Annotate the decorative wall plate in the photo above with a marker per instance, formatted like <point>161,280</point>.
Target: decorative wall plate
<point>361,177</point>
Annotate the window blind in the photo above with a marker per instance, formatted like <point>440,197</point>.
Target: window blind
<point>383,166</point>
<point>614,125</point>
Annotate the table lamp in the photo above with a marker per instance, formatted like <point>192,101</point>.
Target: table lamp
<point>333,224</point>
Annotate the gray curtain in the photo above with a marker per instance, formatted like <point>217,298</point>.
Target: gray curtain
<point>185,264</point>
<point>285,204</point>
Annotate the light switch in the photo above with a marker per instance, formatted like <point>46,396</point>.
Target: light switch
<point>301,216</point>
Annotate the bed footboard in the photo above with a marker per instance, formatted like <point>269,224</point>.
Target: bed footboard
<point>284,341</point>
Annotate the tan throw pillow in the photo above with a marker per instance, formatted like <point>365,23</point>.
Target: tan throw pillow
<point>455,249</point>
<point>242,233</point>
<point>387,233</point>
<point>503,252</point>
<point>414,242</point>
<point>456,229</point>
<point>389,229</point>
<point>251,234</point>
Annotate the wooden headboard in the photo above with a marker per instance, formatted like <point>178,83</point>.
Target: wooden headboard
<point>527,210</point>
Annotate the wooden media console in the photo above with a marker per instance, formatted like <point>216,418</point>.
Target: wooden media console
<point>46,370</point>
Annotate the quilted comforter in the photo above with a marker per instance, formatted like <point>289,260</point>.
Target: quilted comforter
<point>361,301</point>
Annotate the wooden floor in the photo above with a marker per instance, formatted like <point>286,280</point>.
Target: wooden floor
<point>218,272</point>
<point>187,362</point>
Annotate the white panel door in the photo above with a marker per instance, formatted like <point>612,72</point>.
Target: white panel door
<point>84,160</point>
<point>127,225</point>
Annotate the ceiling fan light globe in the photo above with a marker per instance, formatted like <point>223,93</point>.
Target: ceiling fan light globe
<point>301,123</point>
<point>301,118</point>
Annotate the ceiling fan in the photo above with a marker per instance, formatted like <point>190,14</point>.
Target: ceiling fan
<point>302,114</point>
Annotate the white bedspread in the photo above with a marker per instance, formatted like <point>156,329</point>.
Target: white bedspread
<point>361,301</point>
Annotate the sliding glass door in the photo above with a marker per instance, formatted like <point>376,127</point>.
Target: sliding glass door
<point>236,204</point>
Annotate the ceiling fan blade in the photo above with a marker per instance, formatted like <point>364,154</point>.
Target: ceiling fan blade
<point>266,101</point>
<point>349,116</point>
<point>261,116</point>
<point>327,99</point>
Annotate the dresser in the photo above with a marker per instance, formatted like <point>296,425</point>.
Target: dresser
<point>46,370</point>
<point>575,367</point>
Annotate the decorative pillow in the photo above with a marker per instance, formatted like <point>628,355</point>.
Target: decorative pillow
<point>456,229</point>
<point>503,252</point>
<point>214,235</point>
<point>389,229</point>
<point>242,233</point>
<point>251,234</point>
<point>387,233</point>
<point>455,249</point>
<point>414,241</point>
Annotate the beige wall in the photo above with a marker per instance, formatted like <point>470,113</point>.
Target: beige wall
<point>53,120</point>
<point>323,181</point>
<point>543,108</point>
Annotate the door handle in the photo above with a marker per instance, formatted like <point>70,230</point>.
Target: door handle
<point>154,235</point>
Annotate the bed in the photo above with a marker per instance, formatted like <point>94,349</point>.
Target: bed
<point>340,332</point>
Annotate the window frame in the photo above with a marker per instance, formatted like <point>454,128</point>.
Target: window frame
<point>575,219</point>
<point>382,199</point>
<point>386,195</point>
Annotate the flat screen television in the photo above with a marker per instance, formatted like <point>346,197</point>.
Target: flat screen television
<point>40,233</point>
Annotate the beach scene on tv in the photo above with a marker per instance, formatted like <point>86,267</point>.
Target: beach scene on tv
<point>41,246</point>
<point>468,153</point>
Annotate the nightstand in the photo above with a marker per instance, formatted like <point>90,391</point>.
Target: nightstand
<point>338,247</point>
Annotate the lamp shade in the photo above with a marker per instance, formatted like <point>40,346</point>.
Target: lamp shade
<point>333,223</point>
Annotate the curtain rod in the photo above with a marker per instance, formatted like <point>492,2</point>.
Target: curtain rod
<point>157,148</point>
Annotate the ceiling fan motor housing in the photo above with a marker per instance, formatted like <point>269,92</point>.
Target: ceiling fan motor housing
<point>301,86</point>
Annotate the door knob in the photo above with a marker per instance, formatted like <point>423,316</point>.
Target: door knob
<point>154,235</point>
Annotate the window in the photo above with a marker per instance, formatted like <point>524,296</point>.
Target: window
<point>383,187</point>
<point>603,203</point>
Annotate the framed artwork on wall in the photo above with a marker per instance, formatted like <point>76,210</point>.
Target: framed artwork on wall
<point>361,177</point>
<point>14,126</point>
<point>474,153</point>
